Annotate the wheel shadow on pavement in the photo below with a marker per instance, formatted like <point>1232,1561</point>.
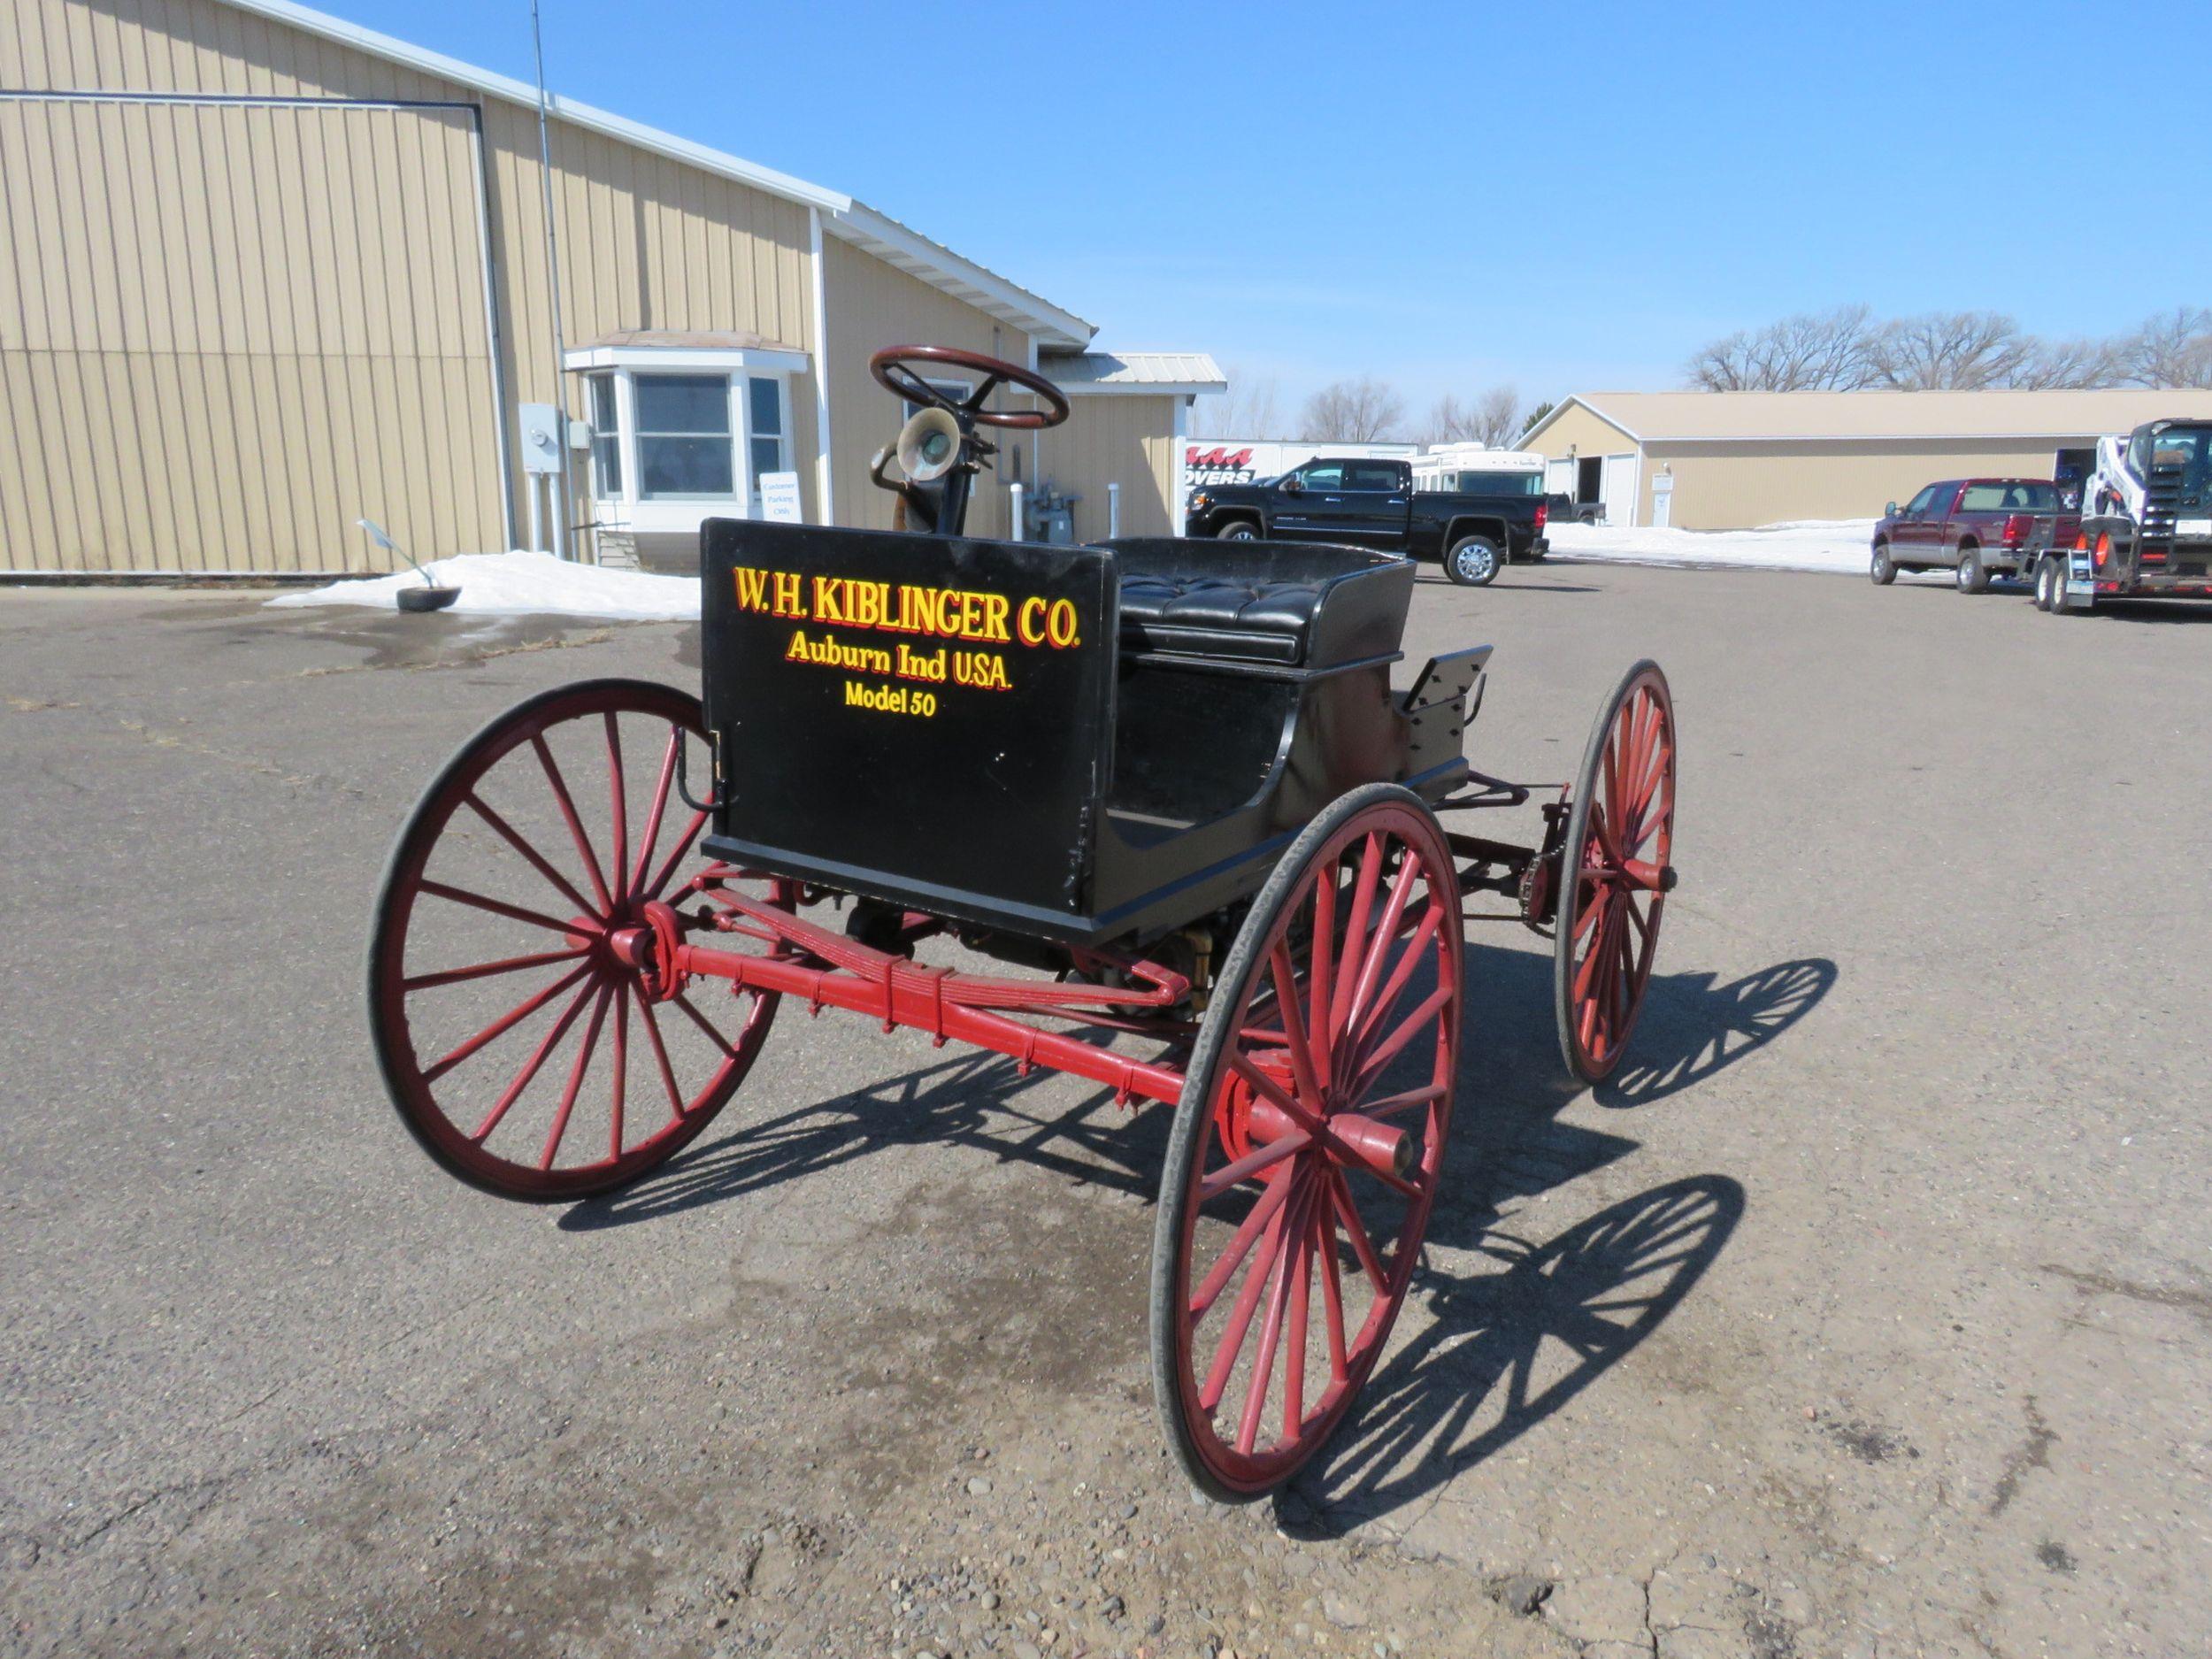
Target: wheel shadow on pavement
<point>974,1098</point>
<point>1693,1025</point>
<point>1505,1349</point>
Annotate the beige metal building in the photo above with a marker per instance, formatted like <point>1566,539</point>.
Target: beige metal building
<point>1734,460</point>
<point>269,273</point>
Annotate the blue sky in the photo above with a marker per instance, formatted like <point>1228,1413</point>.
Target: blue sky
<point>1568,199</point>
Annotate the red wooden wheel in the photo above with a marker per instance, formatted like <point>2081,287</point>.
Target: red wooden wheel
<point>1307,1143</point>
<point>511,963</point>
<point>1615,873</point>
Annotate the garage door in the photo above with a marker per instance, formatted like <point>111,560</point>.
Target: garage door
<point>229,329</point>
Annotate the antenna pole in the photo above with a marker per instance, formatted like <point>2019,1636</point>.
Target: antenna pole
<point>553,279</point>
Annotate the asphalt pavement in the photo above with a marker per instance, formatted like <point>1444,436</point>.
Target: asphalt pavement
<point>1866,1313</point>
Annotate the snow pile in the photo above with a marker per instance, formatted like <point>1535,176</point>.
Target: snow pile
<point>1831,545</point>
<point>525,584</point>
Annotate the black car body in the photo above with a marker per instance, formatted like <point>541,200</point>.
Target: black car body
<point>1373,503</point>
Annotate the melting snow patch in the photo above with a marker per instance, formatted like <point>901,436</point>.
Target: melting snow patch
<point>525,584</point>
<point>1836,546</point>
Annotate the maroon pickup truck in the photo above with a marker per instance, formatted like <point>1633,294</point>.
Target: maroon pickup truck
<point>1976,527</point>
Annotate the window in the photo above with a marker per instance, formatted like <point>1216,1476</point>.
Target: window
<point>683,436</point>
<point>1917,507</point>
<point>2030,497</point>
<point>1321,475</point>
<point>764,421</point>
<point>1372,475</point>
<point>606,438</point>
<point>1501,483</point>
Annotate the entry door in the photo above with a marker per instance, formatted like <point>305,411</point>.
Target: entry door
<point>1619,488</point>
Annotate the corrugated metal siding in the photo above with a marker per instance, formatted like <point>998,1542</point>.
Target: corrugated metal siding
<point>645,241</point>
<point>1122,439</point>
<point>228,331</point>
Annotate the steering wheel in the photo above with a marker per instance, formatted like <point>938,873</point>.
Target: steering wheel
<point>893,373</point>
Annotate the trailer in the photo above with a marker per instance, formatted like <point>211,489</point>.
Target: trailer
<point>2145,529</point>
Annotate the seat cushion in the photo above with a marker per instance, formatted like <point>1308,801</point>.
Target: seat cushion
<point>1210,616</point>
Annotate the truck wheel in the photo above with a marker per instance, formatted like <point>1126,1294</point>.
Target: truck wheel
<point>1973,575</point>
<point>1239,530</point>
<point>1881,571</point>
<point>1473,561</point>
<point>2046,584</point>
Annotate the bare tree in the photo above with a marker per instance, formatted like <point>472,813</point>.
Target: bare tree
<point>1248,409</point>
<point>2067,365</point>
<point>1362,411</point>
<point>1827,352</point>
<point>1949,351</point>
<point>2171,349</point>
<point>1493,419</point>
<point>1449,421</point>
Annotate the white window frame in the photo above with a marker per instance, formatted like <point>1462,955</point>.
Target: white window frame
<point>666,515</point>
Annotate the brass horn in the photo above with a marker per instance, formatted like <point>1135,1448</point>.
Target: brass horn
<point>929,445</point>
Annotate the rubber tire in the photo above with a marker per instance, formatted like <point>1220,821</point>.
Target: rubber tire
<point>1880,571</point>
<point>2046,582</point>
<point>1972,575</point>
<point>1578,819</point>
<point>1485,576</point>
<point>1194,1111</point>
<point>1237,530</point>
<point>383,1040</point>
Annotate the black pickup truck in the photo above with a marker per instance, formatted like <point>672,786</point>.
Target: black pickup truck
<point>1373,503</point>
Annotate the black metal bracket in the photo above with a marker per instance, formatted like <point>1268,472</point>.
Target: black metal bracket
<point>714,803</point>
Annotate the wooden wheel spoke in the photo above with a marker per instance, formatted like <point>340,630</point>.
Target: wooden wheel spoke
<point>1387,999</point>
<point>620,1059</point>
<point>537,860</point>
<point>1374,1062</point>
<point>1256,1161</point>
<point>584,1051</point>
<point>1332,1290</point>
<point>512,912</point>
<point>1320,1037</point>
<point>1362,1245</point>
<point>1392,1104</point>
<point>1256,1391</point>
<point>675,857</point>
<point>1301,1312</point>
<point>521,1081</point>
<point>488,970</point>
<point>1255,1280</point>
<point>651,835</point>
<point>1377,950</point>
<point>1302,1064</point>
<point>1356,932</point>
<point>1240,1247</point>
<point>660,1059</point>
<point>506,1023</point>
<point>618,802</point>
<point>1296,1110</point>
<point>706,1025</point>
<point>575,825</point>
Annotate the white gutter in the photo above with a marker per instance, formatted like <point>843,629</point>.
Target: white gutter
<point>824,500</point>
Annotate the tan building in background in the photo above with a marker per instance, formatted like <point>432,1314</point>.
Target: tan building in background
<point>270,273</point>
<point>1735,460</point>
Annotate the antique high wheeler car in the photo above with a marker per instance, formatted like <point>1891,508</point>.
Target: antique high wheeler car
<point>1173,780</point>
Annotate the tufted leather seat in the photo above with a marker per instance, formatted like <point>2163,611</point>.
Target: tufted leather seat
<point>1288,605</point>
<point>1263,621</point>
